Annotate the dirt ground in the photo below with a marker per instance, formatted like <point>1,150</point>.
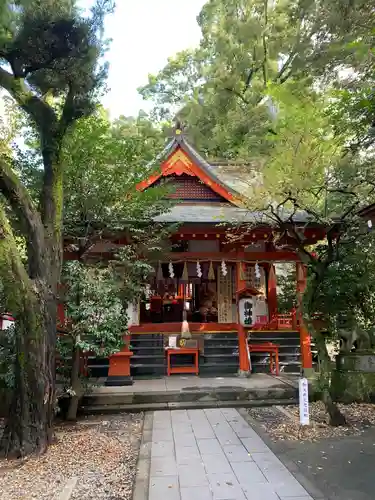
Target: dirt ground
<point>97,455</point>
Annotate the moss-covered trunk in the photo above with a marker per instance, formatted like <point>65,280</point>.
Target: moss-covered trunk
<point>31,296</point>
<point>336,418</point>
<point>28,428</point>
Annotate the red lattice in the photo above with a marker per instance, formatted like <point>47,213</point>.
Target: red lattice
<point>185,187</point>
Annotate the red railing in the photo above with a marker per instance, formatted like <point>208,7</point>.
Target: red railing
<point>288,321</point>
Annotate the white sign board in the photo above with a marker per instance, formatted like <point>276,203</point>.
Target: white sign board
<point>304,416</point>
<point>246,311</point>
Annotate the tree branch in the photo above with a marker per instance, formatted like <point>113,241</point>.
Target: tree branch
<point>238,94</point>
<point>264,42</point>
<point>36,108</point>
<point>22,205</point>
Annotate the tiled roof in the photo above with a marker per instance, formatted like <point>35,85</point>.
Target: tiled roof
<point>219,213</point>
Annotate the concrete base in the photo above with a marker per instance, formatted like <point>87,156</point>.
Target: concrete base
<point>192,392</point>
<point>308,373</point>
<point>244,373</point>
<point>118,380</point>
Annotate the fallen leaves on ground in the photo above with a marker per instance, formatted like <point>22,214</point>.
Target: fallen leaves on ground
<point>100,453</point>
<point>280,426</point>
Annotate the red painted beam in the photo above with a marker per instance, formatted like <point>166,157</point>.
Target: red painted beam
<point>232,256</point>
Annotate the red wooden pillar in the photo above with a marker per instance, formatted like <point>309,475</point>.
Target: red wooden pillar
<point>244,366</point>
<point>272,292</point>
<point>305,339</point>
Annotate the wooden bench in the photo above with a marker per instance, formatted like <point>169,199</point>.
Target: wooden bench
<point>183,369</point>
<point>272,350</point>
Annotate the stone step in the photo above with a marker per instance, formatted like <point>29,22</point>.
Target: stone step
<point>195,405</point>
<point>200,395</point>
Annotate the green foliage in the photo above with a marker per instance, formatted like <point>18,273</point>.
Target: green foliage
<point>221,89</point>
<point>287,291</point>
<point>7,356</point>
<point>346,294</point>
<point>103,163</point>
<point>55,49</point>
<point>94,308</point>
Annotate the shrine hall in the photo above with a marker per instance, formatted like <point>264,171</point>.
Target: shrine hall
<point>219,280</point>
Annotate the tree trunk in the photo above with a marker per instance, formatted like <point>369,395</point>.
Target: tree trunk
<point>75,383</point>
<point>336,418</point>
<point>28,428</point>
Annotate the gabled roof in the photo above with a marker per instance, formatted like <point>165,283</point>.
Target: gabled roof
<point>179,157</point>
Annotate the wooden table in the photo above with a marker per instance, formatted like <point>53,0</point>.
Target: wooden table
<point>273,351</point>
<point>183,369</point>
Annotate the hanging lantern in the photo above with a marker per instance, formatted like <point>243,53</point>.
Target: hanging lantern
<point>211,272</point>
<point>224,270</point>
<point>199,269</point>
<point>185,274</point>
<point>171,270</point>
<point>159,274</point>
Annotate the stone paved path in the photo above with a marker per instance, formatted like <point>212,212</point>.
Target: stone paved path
<point>215,455</point>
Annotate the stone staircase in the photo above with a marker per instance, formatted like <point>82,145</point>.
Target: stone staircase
<point>289,350</point>
<point>148,360</point>
<point>220,356</point>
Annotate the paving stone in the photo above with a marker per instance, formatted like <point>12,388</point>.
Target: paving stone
<point>187,454</point>
<point>268,462</point>
<point>163,466</point>
<point>225,487</point>
<point>248,473</point>
<point>162,449</point>
<point>209,447</point>
<point>255,445</point>
<point>228,438</point>
<point>230,414</point>
<point>184,439</point>
<point>192,475</point>
<point>289,487</point>
<point>180,416</point>
<point>165,488</point>
<point>297,498</point>
<point>161,426</point>
<point>203,432</point>
<point>216,464</point>
<point>260,491</point>
<point>237,453</point>
<point>244,431</point>
<point>182,428</point>
<point>162,435</point>
<point>215,455</point>
<point>196,493</point>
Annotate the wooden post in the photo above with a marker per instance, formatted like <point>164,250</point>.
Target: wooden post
<point>305,339</point>
<point>272,292</point>
<point>244,367</point>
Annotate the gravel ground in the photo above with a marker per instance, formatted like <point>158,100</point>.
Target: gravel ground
<point>101,452</point>
<point>285,425</point>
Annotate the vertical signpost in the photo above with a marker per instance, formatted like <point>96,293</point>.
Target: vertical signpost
<point>304,416</point>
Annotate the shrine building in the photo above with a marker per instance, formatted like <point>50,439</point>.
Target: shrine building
<point>225,288</point>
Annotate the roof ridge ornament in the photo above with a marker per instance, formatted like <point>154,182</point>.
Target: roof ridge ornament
<point>179,129</point>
